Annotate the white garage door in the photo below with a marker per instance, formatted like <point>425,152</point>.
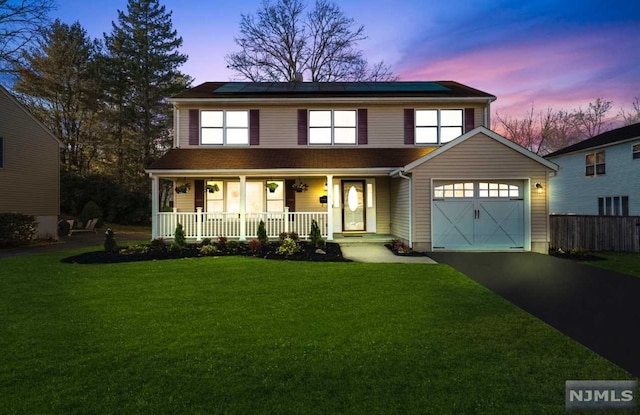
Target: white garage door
<point>482,215</point>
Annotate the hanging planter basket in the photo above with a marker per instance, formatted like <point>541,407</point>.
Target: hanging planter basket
<point>183,188</point>
<point>212,188</point>
<point>272,186</point>
<point>300,187</point>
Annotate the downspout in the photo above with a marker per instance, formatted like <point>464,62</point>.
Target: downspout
<point>400,174</point>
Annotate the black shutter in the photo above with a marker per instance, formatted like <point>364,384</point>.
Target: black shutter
<point>302,127</point>
<point>469,119</point>
<point>198,191</point>
<point>290,195</point>
<point>254,127</point>
<point>409,126</point>
<point>194,127</point>
<point>363,134</point>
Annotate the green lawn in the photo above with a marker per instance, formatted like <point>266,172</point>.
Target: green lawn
<point>626,263</point>
<point>241,335</point>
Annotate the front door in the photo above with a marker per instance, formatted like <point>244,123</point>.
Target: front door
<point>353,211</point>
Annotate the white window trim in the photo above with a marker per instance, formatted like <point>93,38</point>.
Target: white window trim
<point>635,151</point>
<point>595,164</point>
<point>333,127</point>
<point>438,126</point>
<point>225,128</point>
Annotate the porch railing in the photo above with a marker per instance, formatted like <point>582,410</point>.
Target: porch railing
<point>199,225</point>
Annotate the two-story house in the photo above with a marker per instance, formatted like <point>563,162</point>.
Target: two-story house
<point>409,160</point>
<point>29,166</point>
<point>599,176</point>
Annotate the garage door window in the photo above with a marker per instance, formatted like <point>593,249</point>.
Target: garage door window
<point>488,190</point>
<point>454,190</point>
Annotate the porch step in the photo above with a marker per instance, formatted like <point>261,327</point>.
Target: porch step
<point>360,239</point>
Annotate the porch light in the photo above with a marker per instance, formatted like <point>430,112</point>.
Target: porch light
<point>325,186</point>
<point>538,187</point>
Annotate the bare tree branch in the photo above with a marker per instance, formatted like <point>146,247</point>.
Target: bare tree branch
<point>632,117</point>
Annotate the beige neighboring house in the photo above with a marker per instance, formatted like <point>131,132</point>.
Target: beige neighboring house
<point>414,161</point>
<point>29,166</point>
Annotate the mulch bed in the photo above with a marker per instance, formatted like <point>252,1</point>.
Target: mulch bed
<point>390,247</point>
<point>575,255</point>
<point>307,253</point>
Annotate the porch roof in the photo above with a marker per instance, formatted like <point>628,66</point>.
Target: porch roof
<point>238,159</point>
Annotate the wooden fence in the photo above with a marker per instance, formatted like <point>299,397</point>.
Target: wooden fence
<point>595,233</point>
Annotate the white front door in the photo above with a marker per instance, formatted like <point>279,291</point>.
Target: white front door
<point>485,215</point>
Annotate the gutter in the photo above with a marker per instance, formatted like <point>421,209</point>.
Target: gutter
<point>400,174</point>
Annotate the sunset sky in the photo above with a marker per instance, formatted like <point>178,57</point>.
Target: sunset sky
<point>563,54</point>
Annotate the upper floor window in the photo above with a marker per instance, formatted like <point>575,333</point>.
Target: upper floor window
<point>332,127</point>
<point>224,127</point>
<point>636,151</point>
<point>438,126</point>
<point>594,164</point>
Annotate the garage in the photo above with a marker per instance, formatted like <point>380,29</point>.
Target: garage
<point>482,215</point>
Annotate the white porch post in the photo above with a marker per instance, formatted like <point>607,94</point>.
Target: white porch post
<point>243,208</point>
<point>199,224</point>
<point>330,207</point>
<point>286,219</point>
<point>155,206</point>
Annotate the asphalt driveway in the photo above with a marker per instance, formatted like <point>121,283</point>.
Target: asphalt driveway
<point>598,308</point>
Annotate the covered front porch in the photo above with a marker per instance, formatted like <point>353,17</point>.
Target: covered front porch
<point>233,206</point>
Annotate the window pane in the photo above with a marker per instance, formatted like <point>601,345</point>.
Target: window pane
<point>600,168</point>
<point>625,205</point>
<point>451,118</point>
<point>607,206</point>
<point>275,206</point>
<point>255,191</point>
<point>589,171</point>
<point>616,206</point>
<point>600,157</point>
<point>237,118</point>
<point>211,136</point>
<point>601,206</point>
<point>345,136</point>
<point>426,118</point>
<point>514,191</point>
<point>237,136</point>
<point>320,135</point>
<point>217,195</point>
<point>427,135</point>
<point>449,133</point>
<point>344,118</point>
<point>233,197</point>
<point>319,118</point>
<point>590,159</point>
<point>211,118</point>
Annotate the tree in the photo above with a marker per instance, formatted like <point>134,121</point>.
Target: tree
<point>632,117</point>
<point>591,121</point>
<point>57,82</point>
<point>142,70</point>
<point>283,41</point>
<point>20,23</point>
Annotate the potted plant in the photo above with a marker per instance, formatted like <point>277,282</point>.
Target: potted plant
<point>183,188</point>
<point>212,188</point>
<point>300,187</point>
<point>272,186</point>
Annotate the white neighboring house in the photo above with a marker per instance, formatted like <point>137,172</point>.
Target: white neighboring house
<point>598,176</point>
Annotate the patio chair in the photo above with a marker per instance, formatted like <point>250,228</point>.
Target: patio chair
<point>91,227</point>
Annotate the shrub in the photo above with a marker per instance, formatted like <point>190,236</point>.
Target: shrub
<point>179,237</point>
<point>294,236</point>
<point>401,247</point>
<point>91,211</point>
<point>135,249</point>
<point>288,247</point>
<point>206,241</point>
<point>262,233</point>
<point>255,246</point>
<point>208,249</point>
<point>110,244</point>
<point>233,247</point>
<point>222,243</point>
<point>285,235</point>
<point>17,229</point>
<point>158,245</point>
<point>315,236</point>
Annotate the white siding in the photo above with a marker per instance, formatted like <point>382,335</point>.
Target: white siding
<point>573,192</point>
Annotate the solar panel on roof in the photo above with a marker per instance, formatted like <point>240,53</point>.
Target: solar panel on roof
<point>328,87</point>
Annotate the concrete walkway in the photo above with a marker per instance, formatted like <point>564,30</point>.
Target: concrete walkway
<point>596,307</point>
<point>377,252</point>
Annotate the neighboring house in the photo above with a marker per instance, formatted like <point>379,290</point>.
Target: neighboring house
<point>29,166</point>
<point>599,176</point>
<point>408,160</point>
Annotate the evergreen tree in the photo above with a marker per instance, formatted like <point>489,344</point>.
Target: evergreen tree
<point>142,70</point>
<point>57,82</point>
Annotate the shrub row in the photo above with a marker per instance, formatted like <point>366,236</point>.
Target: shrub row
<point>16,229</point>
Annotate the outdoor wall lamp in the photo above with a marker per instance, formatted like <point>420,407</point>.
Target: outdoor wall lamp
<point>538,187</point>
